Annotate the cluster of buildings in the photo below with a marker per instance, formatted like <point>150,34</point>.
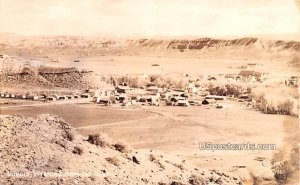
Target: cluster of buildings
<point>124,95</point>
<point>3,56</point>
<point>247,76</point>
<point>155,96</point>
<point>253,76</point>
<point>42,97</point>
<point>250,73</point>
<point>292,81</point>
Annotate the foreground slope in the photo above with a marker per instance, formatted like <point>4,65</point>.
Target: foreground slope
<point>45,149</point>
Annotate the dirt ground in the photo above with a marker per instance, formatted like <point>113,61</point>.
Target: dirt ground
<point>206,65</point>
<point>179,130</point>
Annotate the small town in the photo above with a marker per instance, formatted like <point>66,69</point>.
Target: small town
<point>149,92</point>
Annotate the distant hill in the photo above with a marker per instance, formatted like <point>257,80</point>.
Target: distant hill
<point>247,47</point>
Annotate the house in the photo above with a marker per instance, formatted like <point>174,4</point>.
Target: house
<point>50,98</point>
<point>210,78</point>
<point>168,95</point>
<point>208,101</point>
<point>62,98</point>
<point>94,99</point>
<point>70,97</point>
<point>32,97</point>
<point>232,77</point>
<point>135,94</point>
<point>215,97</point>
<point>194,102</point>
<point>123,89</point>
<point>247,73</point>
<point>150,99</point>
<point>3,56</point>
<point>121,98</point>
<point>7,95</point>
<point>253,75</point>
<point>292,81</point>
<point>177,94</point>
<point>103,101</point>
<point>154,89</point>
<point>203,93</point>
<point>252,65</point>
<point>261,76</point>
<point>177,98</point>
<point>19,96</point>
<point>244,96</point>
<point>170,103</point>
<point>183,103</point>
<point>76,96</point>
<point>109,93</point>
<point>85,95</point>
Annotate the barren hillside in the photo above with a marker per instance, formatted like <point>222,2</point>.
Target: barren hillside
<point>47,149</point>
<point>18,74</point>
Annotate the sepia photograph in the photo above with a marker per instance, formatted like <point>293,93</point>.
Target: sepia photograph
<point>149,92</point>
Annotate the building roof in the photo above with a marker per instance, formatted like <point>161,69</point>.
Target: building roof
<point>209,100</point>
<point>215,97</point>
<point>123,87</point>
<point>183,101</point>
<point>230,75</point>
<point>247,73</point>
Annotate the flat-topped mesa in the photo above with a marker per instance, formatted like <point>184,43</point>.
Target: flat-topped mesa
<point>208,42</point>
<point>85,44</point>
<point>201,43</point>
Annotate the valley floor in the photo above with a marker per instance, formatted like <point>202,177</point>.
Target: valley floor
<point>178,131</point>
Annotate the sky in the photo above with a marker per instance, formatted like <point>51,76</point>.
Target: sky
<point>123,18</point>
